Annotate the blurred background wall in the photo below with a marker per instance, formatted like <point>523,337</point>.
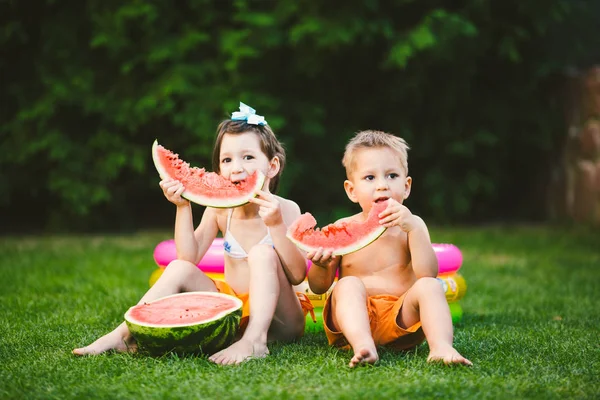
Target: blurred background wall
<point>482,91</point>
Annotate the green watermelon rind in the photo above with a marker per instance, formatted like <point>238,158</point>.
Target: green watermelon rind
<point>342,251</point>
<point>200,338</point>
<point>204,200</point>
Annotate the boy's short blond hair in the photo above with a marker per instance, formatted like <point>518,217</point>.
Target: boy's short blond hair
<point>370,139</point>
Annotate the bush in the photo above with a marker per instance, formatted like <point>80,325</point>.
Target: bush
<point>474,89</point>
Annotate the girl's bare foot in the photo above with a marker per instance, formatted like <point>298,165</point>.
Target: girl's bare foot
<point>239,352</point>
<point>111,341</point>
<point>448,356</point>
<point>364,356</point>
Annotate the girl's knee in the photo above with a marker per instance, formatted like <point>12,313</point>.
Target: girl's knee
<point>184,276</point>
<point>262,254</point>
<point>180,267</point>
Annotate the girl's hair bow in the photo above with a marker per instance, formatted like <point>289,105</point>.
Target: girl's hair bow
<point>249,115</point>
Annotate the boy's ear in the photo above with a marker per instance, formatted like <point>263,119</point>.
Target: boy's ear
<point>274,166</point>
<point>407,186</point>
<point>349,188</point>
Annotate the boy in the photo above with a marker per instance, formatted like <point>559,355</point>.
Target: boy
<point>387,293</point>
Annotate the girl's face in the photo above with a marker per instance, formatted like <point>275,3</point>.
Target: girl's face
<point>377,175</point>
<point>241,156</point>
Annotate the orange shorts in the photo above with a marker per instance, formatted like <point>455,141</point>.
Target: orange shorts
<point>223,287</point>
<point>383,310</point>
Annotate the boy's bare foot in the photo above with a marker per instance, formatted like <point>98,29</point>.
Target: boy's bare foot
<point>111,341</point>
<point>448,356</point>
<point>239,352</point>
<point>364,356</point>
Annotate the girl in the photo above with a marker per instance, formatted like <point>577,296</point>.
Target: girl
<point>261,264</point>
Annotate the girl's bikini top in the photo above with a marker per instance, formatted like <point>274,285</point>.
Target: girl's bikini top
<point>233,248</point>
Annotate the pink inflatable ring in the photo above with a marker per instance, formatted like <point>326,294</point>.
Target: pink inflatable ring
<point>212,262</point>
<point>449,257</point>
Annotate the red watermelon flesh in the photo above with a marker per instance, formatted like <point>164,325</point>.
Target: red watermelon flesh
<point>343,237</point>
<point>202,187</point>
<point>181,310</point>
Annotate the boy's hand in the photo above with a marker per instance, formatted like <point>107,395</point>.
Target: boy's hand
<point>172,190</point>
<point>397,214</point>
<point>322,257</point>
<point>270,209</point>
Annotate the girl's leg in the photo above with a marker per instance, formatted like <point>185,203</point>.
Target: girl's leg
<point>179,276</point>
<point>275,312</point>
<point>426,301</point>
<point>349,314</point>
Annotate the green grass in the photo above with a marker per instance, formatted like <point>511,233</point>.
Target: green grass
<point>531,327</point>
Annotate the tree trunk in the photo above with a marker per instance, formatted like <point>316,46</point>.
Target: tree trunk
<point>575,189</point>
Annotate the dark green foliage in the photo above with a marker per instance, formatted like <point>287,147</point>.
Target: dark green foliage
<point>474,87</point>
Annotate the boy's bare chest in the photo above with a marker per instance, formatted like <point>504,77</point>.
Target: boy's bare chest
<point>389,251</point>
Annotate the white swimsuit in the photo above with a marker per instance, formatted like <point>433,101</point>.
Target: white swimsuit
<point>233,248</point>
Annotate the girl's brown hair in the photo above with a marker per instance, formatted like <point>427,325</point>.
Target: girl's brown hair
<point>269,145</point>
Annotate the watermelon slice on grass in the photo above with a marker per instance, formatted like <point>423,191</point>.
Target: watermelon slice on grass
<point>343,237</point>
<point>192,322</point>
<point>205,188</point>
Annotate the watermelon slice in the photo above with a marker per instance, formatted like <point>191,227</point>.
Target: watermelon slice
<point>205,188</point>
<point>192,322</point>
<point>343,237</point>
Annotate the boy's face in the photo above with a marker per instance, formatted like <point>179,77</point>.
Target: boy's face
<point>377,175</point>
<point>241,155</point>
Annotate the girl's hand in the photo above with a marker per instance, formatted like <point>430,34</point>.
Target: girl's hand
<point>172,190</point>
<point>269,207</point>
<point>397,214</point>
<point>322,257</point>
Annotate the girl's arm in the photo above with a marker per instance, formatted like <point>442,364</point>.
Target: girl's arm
<point>277,213</point>
<point>292,259</point>
<point>192,245</point>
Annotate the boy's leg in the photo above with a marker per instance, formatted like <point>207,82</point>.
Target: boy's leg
<point>275,312</point>
<point>426,301</point>
<point>350,316</point>
<point>179,276</point>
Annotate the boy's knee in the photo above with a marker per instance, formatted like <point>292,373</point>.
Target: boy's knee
<point>427,285</point>
<point>348,283</point>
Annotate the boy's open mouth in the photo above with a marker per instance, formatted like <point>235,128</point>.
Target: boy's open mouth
<point>238,182</point>
<point>380,199</point>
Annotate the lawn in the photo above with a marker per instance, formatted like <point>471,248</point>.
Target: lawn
<point>530,326</point>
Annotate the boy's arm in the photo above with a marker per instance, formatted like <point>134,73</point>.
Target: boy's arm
<point>424,260</point>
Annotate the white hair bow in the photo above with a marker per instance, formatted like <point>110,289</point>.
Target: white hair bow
<point>249,115</point>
